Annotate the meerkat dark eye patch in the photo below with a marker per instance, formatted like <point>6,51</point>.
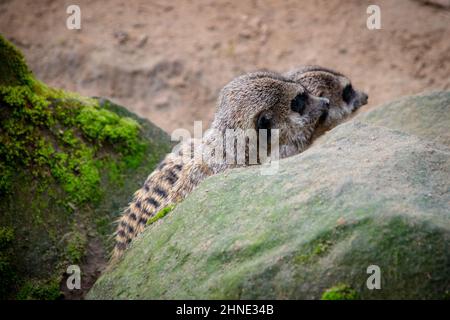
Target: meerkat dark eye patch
<point>298,104</point>
<point>263,122</point>
<point>348,93</point>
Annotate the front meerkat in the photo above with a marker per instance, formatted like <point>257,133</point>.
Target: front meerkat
<point>260,100</point>
<point>323,82</point>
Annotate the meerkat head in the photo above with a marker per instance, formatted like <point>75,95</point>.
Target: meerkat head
<point>266,100</point>
<point>322,82</point>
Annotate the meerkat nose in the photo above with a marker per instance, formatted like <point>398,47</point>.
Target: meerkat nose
<point>364,98</point>
<point>325,102</point>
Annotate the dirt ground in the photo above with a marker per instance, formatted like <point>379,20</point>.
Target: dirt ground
<point>168,60</point>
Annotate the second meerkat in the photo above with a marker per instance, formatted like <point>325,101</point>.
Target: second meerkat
<point>260,100</point>
<point>324,82</point>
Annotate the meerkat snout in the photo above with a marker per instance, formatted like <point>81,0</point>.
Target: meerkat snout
<point>325,103</point>
<point>362,99</point>
<point>325,108</point>
<point>354,98</point>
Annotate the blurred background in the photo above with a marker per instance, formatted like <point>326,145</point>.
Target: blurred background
<point>167,60</point>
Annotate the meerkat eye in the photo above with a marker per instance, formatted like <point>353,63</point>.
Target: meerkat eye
<point>299,102</point>
<point>348,93</point>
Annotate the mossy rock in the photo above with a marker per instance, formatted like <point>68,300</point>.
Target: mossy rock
<point>340,292</point>
<point>68,164</point>
<point>426,115</point>
<point>13,69</point>
<point>364,195</point>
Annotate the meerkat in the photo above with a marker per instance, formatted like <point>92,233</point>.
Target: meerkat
<point>260,100</point>
<point>323,82</point>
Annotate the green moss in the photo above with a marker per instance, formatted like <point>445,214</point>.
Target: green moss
<point>13,69</point>
<point>322,247</point>
<point>76,247</point>
<point>161,214</point>
<point>102,225</point>
<point>103,125</point>
<point>5,178</point>
<point>39,290</point>
<point>324,242</point>
<point>7,272</point>
<point>446,295</point>
<point>340,292</point>
<point>6,237</point>
<point>31,110</point>
<point>68,137</point>
<point>115,171</point>
<point>33,123</point>
<point>65,161</point>
<point>78,174</point>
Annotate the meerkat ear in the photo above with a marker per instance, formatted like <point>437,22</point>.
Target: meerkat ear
<point>264,121</point>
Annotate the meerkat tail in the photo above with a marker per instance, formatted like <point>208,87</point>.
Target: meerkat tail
<point>158,192</point>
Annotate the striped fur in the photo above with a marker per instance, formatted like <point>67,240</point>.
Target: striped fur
<point>168,184</point>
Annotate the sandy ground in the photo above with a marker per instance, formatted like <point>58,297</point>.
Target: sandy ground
<point>168,60</point>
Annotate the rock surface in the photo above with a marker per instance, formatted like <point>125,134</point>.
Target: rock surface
<point>425,115</point>
<point>68,165</point>
<point>373,191</point>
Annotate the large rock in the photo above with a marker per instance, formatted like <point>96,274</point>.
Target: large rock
<point>425,115</point>
<point>68,165</point>
<point>363,195</point>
